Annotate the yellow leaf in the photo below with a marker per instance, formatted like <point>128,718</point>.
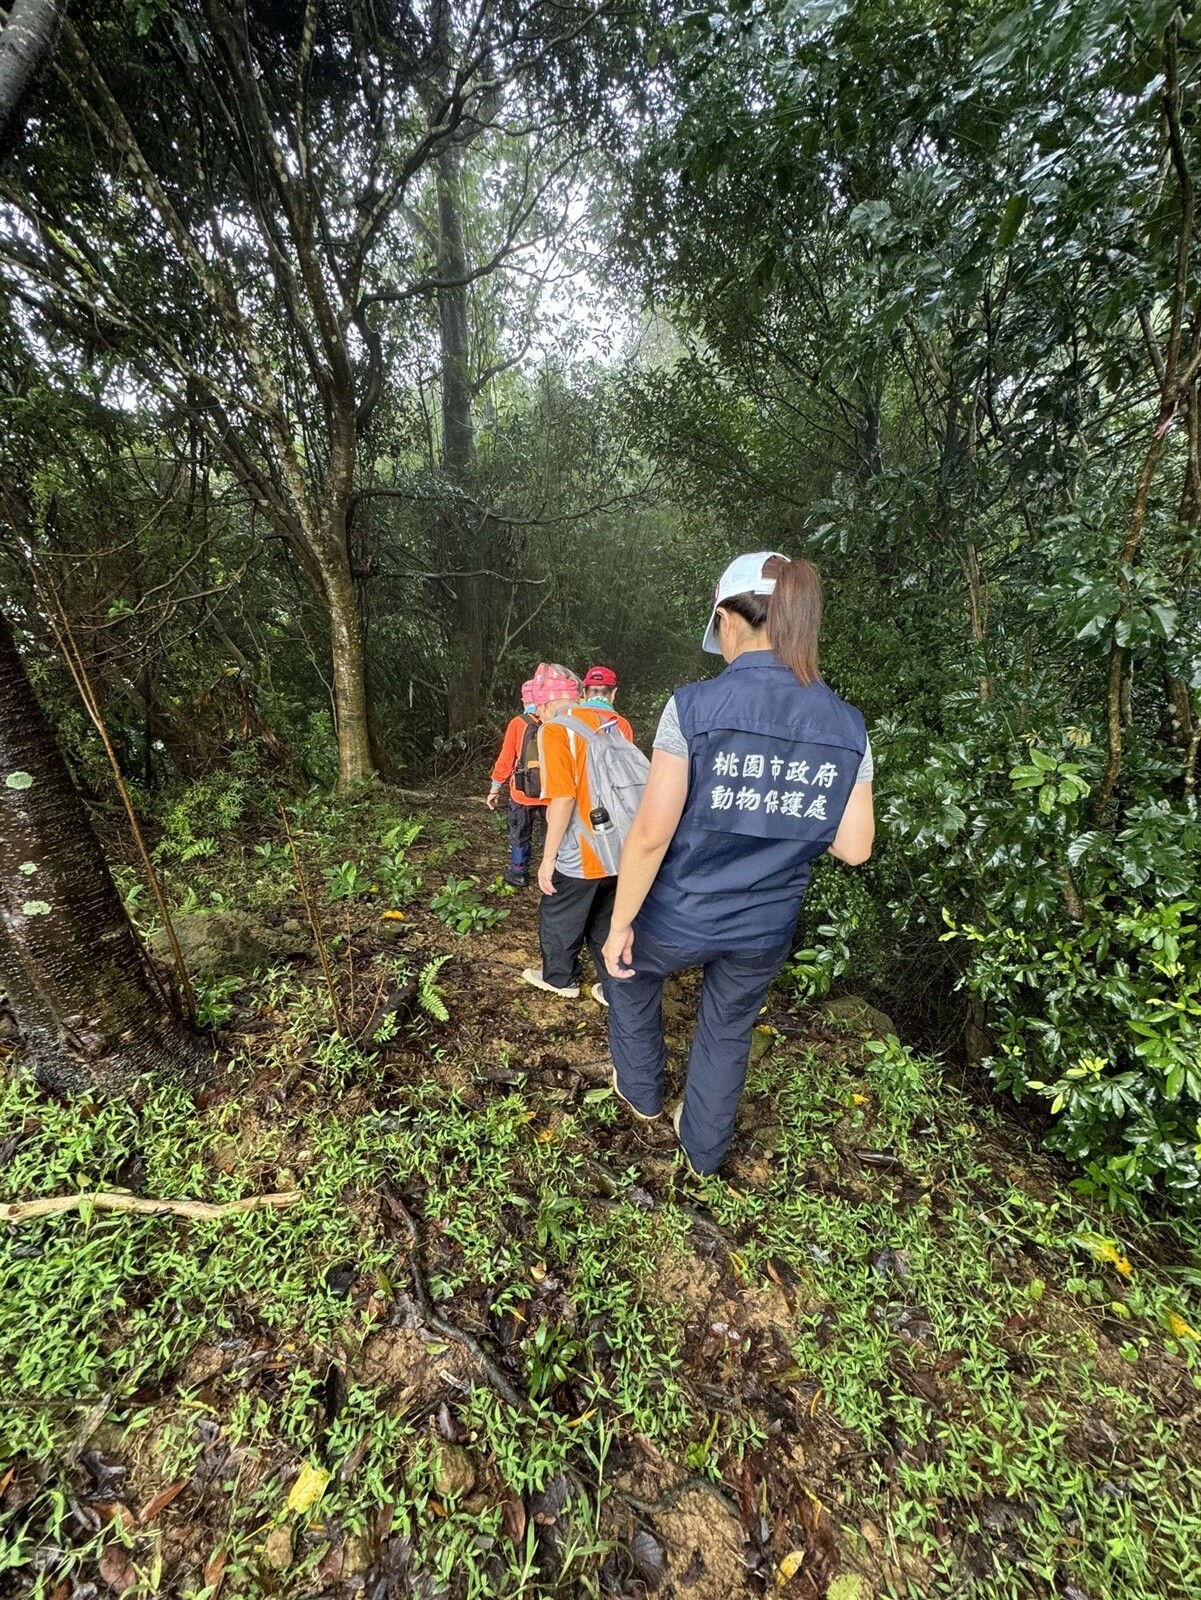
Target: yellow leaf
<point>308,1488</point>
<point>586,1416</point>
<point>1104,1250</point>
<point>392,916</point>
<point>861,1099</point>
<point>545,1135</point>
<point>1178,1327</point>
<point>789,1567</point>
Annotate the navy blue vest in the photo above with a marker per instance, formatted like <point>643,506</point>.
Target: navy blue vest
<point>771,766</point>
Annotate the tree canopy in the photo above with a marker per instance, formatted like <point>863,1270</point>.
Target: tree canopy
<point>357,356</point>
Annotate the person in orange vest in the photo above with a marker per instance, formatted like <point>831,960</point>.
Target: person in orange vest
<point>518,763</point>
<point>577,885</point>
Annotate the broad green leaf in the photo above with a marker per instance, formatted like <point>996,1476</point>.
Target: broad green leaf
<point>1011,220</point>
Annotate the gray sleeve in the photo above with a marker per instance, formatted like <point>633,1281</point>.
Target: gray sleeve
<point>867,767</point>
<point>668,735</point>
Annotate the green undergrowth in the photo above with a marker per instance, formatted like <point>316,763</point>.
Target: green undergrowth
<point>947,1331</point>
<point>1037,1461</point>
<point>222,844</point>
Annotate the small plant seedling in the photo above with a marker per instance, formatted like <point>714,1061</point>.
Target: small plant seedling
<point>460,908</point>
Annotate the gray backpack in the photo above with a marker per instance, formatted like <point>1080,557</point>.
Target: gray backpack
<point>617,774</point>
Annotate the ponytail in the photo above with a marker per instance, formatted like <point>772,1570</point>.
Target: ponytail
<point>794,615</point>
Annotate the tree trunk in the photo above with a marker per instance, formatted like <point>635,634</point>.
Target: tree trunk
<point>467,612</point>
<point>73,971</point>
<point>26,43</point>
<point>348,660</point>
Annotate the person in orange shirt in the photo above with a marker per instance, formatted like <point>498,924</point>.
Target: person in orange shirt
<point>577,894</point>
<point>527,812</point>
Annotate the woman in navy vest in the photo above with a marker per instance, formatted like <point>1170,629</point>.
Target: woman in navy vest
<point>755,774</point>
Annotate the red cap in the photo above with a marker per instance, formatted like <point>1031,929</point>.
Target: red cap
<point>600,678</point>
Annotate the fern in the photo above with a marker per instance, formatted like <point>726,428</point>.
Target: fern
<point>429,996</point>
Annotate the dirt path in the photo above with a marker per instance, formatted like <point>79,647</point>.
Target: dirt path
<point>503,1344</point>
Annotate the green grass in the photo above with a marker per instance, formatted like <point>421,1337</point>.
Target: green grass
<point>1000,1442</point>
<point>111,1305</point>
<point>993,1411</point>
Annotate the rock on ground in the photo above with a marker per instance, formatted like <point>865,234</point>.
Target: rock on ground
<point>219,944</point>
<point>853,1013</point>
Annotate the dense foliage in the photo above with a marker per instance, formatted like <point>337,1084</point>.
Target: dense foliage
<point>912,287</point>
<point>941,267</point>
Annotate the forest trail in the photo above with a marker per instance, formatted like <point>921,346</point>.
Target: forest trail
<point>505,1345</point>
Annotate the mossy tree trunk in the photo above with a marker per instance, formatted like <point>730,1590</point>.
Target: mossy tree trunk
<point>73,971</point>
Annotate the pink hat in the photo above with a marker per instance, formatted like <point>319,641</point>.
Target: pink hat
<point>527,692</point>
<point>553,682</point>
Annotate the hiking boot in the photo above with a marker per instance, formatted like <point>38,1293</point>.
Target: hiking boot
<point>597,992</point>
<point>675,1122</point>
<point>534,975</point>
<point>641,1115</point>
<point>516,880</point>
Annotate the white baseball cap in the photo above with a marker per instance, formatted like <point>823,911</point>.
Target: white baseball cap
<point>744,575</point>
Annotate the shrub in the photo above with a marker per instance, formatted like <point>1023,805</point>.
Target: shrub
<point>1081,944</point>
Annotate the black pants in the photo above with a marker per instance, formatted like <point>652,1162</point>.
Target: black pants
<point>524,821</point>
<point>579,910</point>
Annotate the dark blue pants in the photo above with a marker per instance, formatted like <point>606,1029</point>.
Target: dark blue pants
<point>522,820</point>
<point>733,987</point>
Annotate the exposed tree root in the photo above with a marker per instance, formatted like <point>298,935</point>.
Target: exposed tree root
<point>449,1330</point>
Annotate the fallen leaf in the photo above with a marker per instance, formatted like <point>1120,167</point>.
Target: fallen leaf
<point>789,1567</point>
<point>449,1426</point>
<point>116,1570</point>
<point>1105,1251</point>
<point>392,916</point>
<point>885,1160</point>
<point>161,1500</point>
<point>308,1488</point>
<point>5,1480</point>
<point>214,1571</point>
<point>113,1511</point>
<point>1178,1327</point>
<point>650,1559</point>
<point>329,1568</point>
<point>279,1548</point>
<point>513,1517</point>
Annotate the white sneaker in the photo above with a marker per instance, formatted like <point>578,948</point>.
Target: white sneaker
<point>534,975</point>
<point>597,992</point>
<point>675,1122</point>
<point>641,1115</point>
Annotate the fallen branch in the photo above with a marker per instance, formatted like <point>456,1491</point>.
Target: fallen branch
<point>200,1210</point>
